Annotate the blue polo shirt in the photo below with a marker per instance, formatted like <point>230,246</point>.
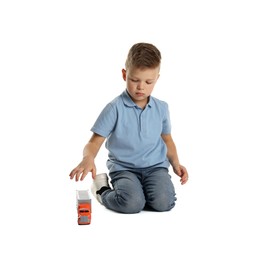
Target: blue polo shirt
<point>134,134</point>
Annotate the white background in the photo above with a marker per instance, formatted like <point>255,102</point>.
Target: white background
<point>60,63</point>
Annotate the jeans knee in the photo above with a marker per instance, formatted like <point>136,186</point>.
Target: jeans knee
<point>130,204</point>
<point>162,202</point>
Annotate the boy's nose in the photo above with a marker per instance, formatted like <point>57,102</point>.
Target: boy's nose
<point>140,85</point>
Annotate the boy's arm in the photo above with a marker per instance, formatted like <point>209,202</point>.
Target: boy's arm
<point>92,147</point>
<point>172,156</point>
<point>89,153</point>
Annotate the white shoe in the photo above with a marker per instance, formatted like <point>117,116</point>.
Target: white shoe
<point>101,180</point>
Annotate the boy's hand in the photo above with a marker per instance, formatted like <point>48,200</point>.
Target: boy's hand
<point>87,165</point>
<point>182,173</point>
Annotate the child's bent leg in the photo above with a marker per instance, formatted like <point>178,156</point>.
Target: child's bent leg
<point>127,195</point>
<point>159,190</point>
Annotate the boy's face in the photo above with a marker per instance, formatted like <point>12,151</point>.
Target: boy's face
<point>140,83</point>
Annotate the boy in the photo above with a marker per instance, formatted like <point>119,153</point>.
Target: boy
<point>141,149</point>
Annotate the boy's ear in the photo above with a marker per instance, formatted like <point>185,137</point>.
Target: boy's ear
<point>124,74</point>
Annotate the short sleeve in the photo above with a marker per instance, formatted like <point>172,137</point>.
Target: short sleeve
<point>166,124</point>
<point>106,121</point>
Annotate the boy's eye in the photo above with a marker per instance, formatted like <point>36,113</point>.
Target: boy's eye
<point>136,80</point>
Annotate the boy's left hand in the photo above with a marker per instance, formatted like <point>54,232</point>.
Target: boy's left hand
<point>182,173</point>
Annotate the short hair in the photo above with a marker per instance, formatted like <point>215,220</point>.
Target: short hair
<point>143,55</point>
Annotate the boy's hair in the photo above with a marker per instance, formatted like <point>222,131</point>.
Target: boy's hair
<point>143,55</point>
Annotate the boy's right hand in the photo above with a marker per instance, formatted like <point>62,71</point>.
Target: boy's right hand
<point>87,165</point>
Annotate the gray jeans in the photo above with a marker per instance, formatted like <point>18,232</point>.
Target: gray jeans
<point>136,189</point>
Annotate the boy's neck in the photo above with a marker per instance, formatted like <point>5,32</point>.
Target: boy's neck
<point>142,103</point>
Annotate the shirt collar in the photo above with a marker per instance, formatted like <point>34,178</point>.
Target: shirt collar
<point>129,102</point>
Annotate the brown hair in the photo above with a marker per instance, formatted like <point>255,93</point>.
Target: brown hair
<point>143,55</point>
